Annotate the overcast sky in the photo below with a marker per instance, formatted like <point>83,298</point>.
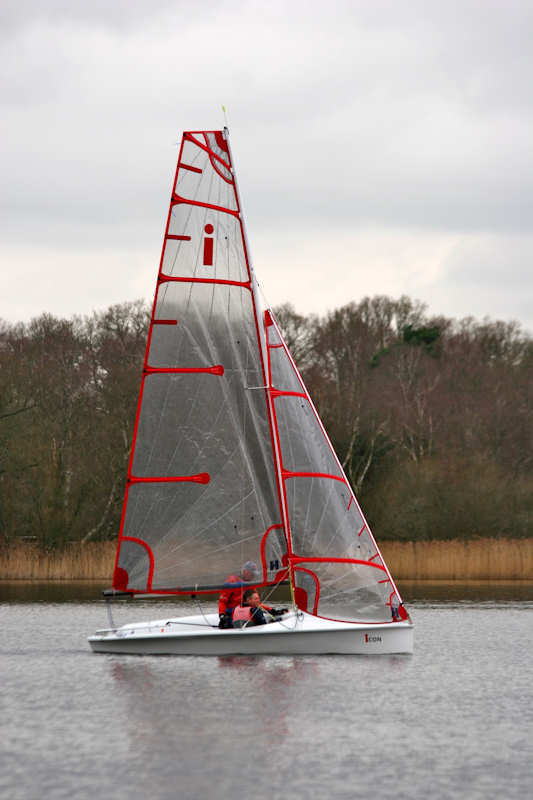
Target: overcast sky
<point>381,147</point>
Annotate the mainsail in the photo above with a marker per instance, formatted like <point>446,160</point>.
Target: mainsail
<point>230,462</point>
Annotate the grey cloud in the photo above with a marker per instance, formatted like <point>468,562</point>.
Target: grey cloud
<point>414,115</point>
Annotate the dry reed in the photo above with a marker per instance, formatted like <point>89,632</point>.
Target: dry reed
<point>478,559</point>
<point>92,561</point>
<point>473,559</point>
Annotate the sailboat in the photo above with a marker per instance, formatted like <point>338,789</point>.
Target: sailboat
<point>230,462</point>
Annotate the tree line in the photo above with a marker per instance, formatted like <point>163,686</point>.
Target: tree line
<point>432,418</point>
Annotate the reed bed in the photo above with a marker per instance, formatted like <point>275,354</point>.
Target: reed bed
<point>93,561</point>
<point>477,559</point>
<point>474,559</point>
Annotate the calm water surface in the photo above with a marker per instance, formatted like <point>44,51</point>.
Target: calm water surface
<point>453,720</point>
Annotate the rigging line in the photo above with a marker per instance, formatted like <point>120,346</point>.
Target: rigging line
<point>173,622</point>
<point>276,585</point>
<point>202,612</point>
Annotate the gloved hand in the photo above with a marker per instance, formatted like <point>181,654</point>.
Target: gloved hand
<point>224,621</point>
<point>277,612</point>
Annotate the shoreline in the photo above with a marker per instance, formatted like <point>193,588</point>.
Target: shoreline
<point>451,560</point>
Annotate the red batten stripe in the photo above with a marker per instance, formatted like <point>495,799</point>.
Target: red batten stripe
<point>376,555</point>
<point>263,544</point>
<point>202,477</point>
<point>288,474</point>
<point>317,586</point>
<point>178,238</point>
<point>165,321</point>
<point>216,370</point>
<point>190,168</point>
<point>362,529</point>
<point>148,549</point>
<point>162,278</point>
<point>305,560</point>
<point>387,580</point>
<point>278,393</point>
<point>177,199</point>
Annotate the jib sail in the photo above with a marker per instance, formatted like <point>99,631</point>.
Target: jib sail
<point>335,563</point>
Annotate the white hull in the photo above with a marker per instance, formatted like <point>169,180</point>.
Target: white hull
<point>294,635</point>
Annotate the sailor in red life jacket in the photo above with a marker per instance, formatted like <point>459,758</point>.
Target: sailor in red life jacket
<point>233,595</point>
<point>251,612</point>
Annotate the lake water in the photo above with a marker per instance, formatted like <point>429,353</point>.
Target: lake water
<point>453,720</point>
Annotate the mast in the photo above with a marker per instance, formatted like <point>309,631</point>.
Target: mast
<point>266,373</point>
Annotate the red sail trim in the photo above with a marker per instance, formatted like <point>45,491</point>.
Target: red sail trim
<point>190,168</point>
<point>207,149</point>
<point>218,369</point>
<point>121,536</point>
<point>178,238</point>
<point>201,477</point>
<point>219,139</point>
<point>164,321</point>
<point>279,393</point>
<point>332,560</point>
<point>263,545</point>
<point>317,589</point>
<point>162,278</point>
<point>354,621</point>
<point>289,474</point>
<point>148,549</point>
<point>214,163</point>
<point>176,199</point>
